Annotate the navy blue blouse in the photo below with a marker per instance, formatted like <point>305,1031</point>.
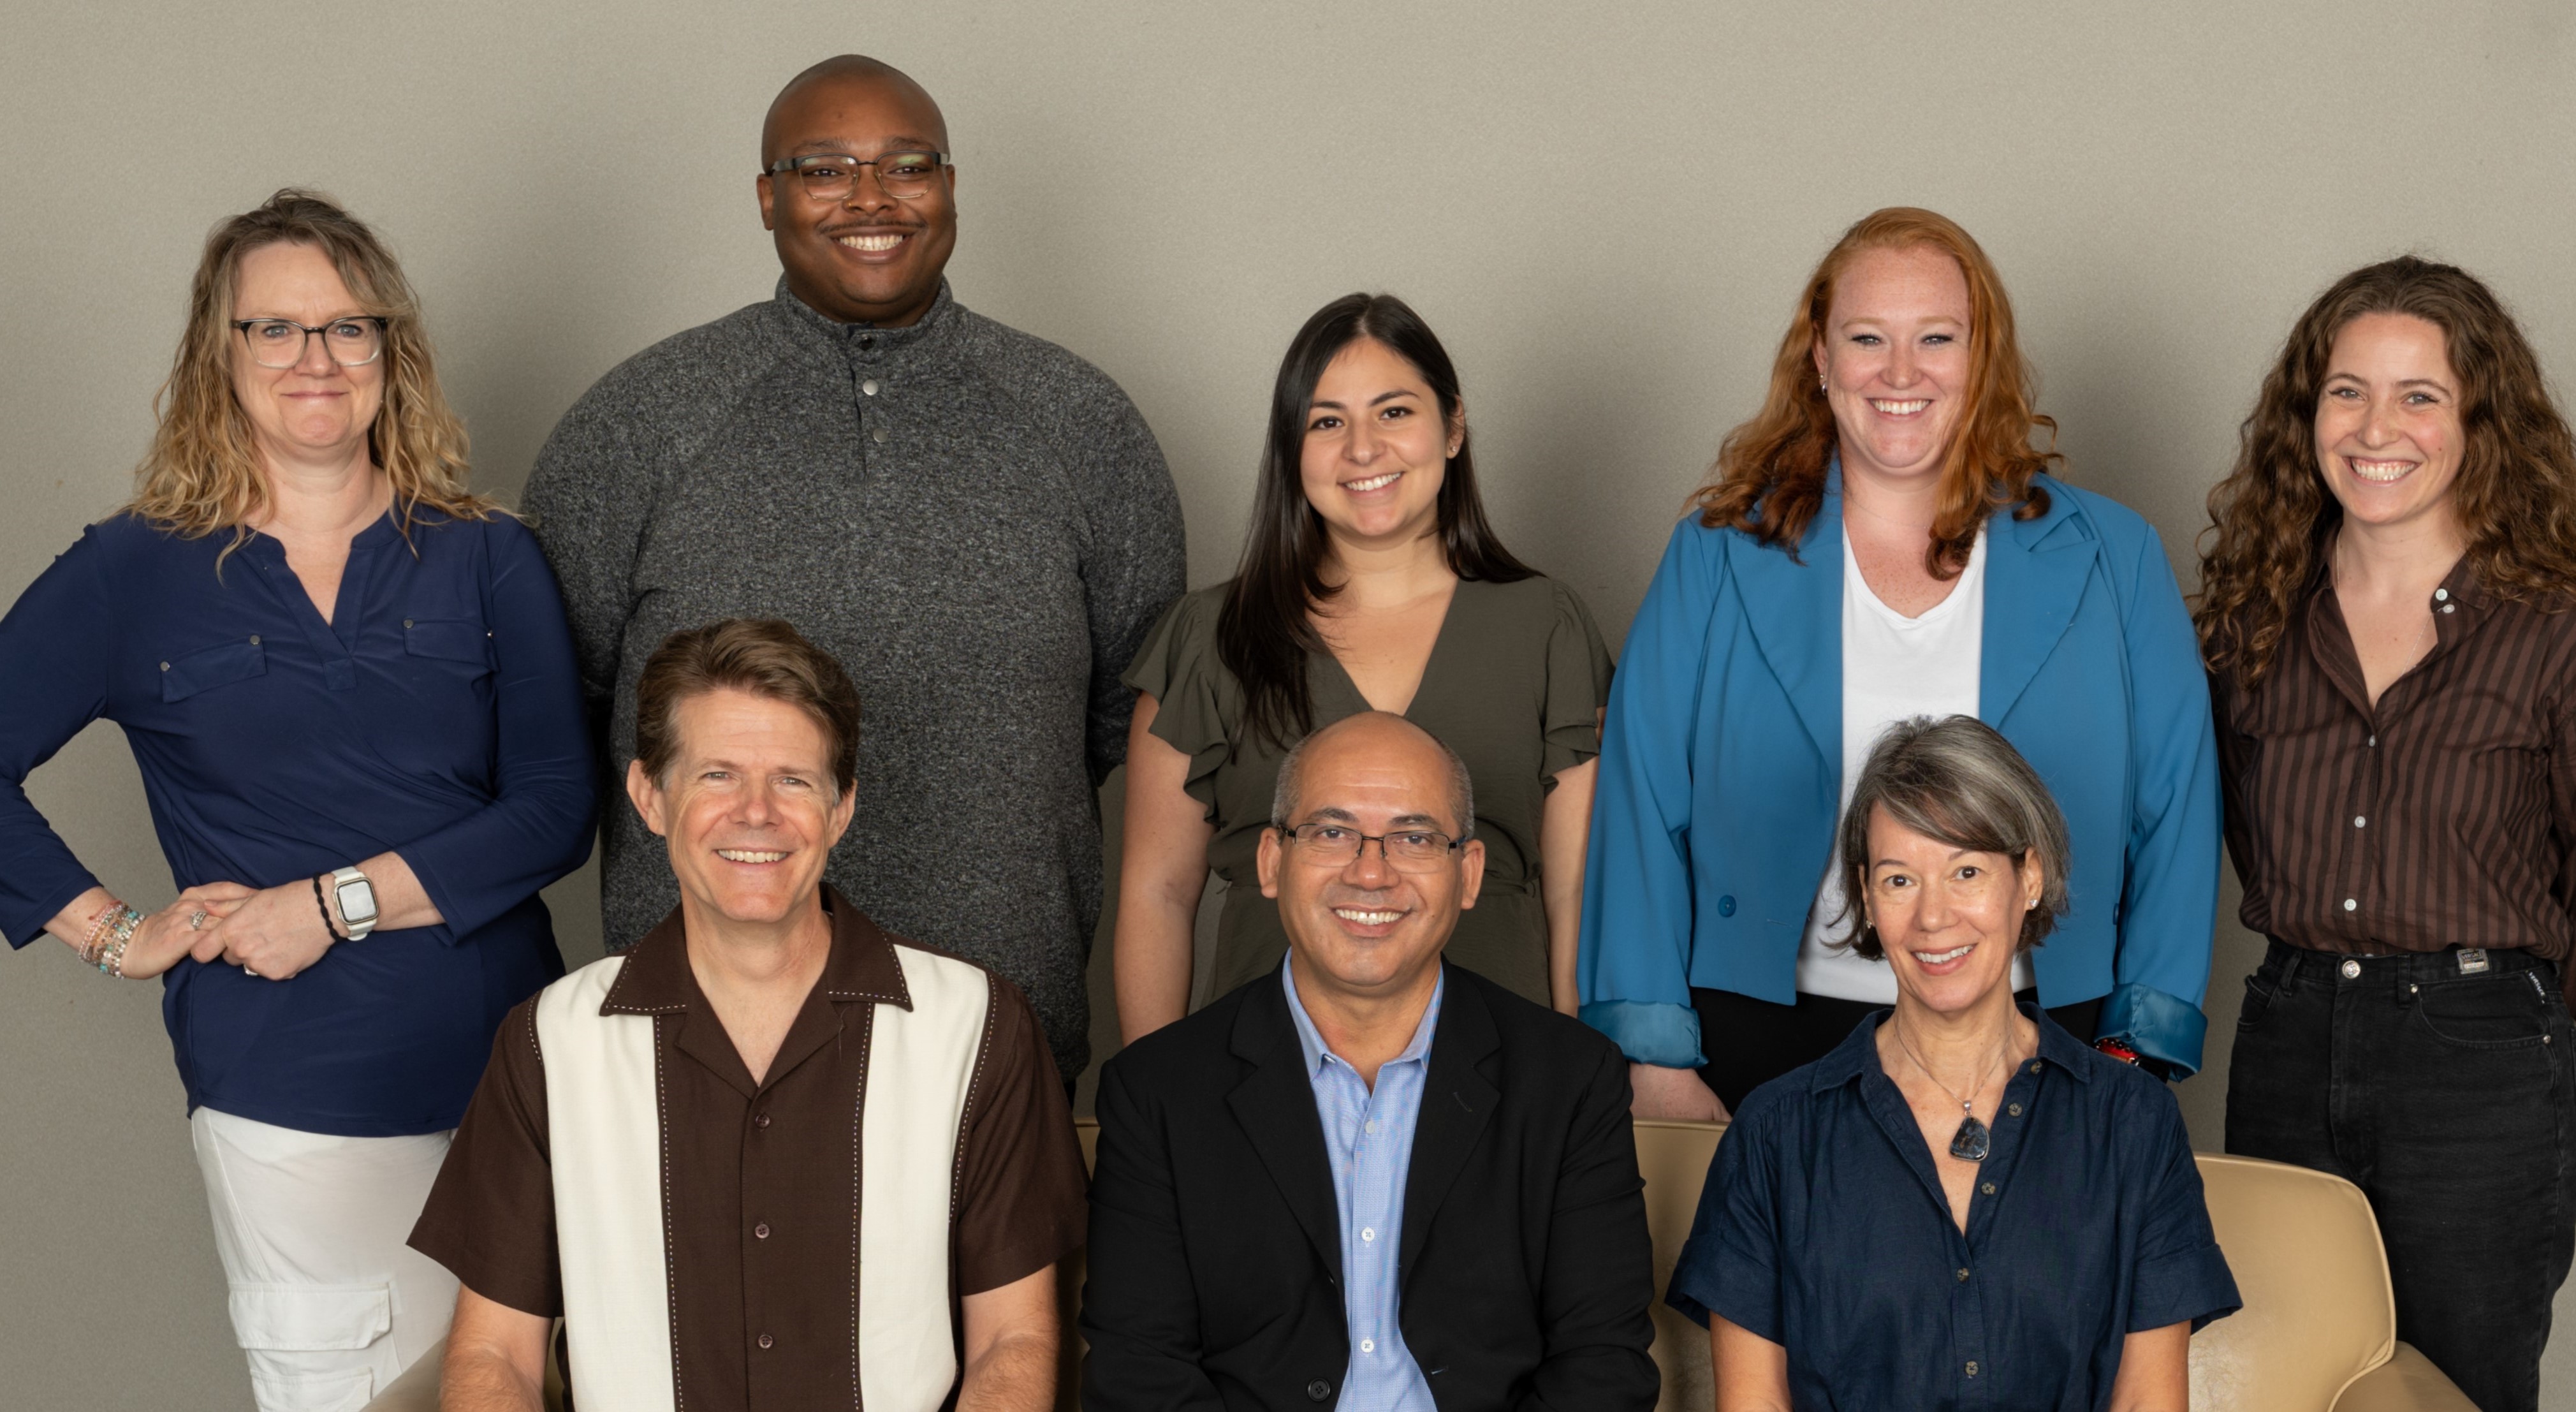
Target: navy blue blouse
<point>1823,1228</point>
<point>436,715</point>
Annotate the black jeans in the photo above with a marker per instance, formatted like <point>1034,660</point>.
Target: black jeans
<point>1750,1042</point>
<point>2449,1098</point>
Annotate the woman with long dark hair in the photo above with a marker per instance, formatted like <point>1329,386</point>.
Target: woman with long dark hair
<point>2383,609</point>
<point>1370,580</point>
<point>1883,540</point>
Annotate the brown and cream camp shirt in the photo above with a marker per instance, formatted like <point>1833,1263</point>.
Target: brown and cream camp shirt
<point>761,1180</point>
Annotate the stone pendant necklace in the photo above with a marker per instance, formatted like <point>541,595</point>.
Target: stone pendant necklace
<point>1971,1142</point>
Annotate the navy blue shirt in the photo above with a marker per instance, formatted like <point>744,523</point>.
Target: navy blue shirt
<point>1823,1228</point>
<point>436,715</point>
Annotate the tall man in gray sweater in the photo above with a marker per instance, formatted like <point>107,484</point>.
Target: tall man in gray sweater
<point>976,522</point>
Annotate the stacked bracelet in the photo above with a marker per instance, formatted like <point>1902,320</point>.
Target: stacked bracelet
<point>88,949</point>
<point>109,934</point>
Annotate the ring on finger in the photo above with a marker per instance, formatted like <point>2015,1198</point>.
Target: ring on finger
<point>254,975</point>
<point>197,919</point>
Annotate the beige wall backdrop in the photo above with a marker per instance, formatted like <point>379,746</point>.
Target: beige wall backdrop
<point>1605,211</point>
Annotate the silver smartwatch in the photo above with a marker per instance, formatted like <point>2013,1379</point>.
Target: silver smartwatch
<point>357,898</point>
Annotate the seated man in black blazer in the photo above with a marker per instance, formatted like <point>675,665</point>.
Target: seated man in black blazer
<point>1371,1181</point>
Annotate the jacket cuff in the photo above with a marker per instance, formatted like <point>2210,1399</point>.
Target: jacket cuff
<point>1666,1035</point>
<point>2159,1026</point>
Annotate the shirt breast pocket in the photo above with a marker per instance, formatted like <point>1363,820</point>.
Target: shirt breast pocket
<point>207,668</point>
<point>461,641</point>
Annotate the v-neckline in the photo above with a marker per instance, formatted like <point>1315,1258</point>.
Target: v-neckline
<point>339,627</point>
<point>1430,660</point>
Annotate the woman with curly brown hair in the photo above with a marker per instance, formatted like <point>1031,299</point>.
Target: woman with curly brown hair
<point>2383,610</point>
<point>1882,541</point>
<point>351,694</point>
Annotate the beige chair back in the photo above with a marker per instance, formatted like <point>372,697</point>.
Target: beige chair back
<point>2318,1311</point>
<point>1673,1158</point>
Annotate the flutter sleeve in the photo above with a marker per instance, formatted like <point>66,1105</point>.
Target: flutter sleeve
<point>1578,686</point>
<point>1196,697</point>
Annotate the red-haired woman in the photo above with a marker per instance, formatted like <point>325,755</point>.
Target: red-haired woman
<point>2383,610</point>
<point>1881,541</point>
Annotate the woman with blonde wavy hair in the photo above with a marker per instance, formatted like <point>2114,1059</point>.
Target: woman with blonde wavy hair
<point>1883,540</point>
<point>349,688</point>
<point>2383,607</point>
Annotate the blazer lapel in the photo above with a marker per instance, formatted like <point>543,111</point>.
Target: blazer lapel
<point>1457,1102</point>
<point>2035,579</point>
<point>1795,609</point>
<point>1276,1106</point>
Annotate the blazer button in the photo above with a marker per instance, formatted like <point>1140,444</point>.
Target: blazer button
<point>1726,905</point>
<point>1318,1390</point>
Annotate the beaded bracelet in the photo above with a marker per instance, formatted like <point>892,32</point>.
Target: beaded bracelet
<point>328,925</point>
<point>88,949</point>
<point>109,956</point>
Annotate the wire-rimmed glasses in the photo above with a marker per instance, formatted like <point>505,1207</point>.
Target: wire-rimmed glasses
<point>280,343</point>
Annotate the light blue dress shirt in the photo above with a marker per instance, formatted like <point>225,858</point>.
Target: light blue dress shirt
<point>1368,1139</point>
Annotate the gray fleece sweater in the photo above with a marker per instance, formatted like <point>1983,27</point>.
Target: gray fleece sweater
<point>979,526</point>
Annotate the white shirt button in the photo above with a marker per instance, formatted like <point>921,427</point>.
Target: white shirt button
<point>2373,742</point>
<point>2358,821</point>
<point>869,387</point>
<point>1368,1232</point>
<point>2351,904</point>
<point>2447,607</point>
<point>1369,1127</point>
<point>1368,1345</point>
<point>2441,594</point>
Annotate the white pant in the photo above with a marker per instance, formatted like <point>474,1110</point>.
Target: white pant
<point>328,1303</point>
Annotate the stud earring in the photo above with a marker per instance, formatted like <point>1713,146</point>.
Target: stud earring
<point>2031,906</point>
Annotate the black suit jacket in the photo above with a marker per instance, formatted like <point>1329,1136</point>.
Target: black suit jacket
<point>1524,1268</point>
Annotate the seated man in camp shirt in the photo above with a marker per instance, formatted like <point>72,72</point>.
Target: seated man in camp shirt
<point>803,1163</point>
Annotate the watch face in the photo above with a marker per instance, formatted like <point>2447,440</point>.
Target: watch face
<point>358,901</point>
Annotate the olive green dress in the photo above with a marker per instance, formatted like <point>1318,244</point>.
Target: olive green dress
<point>1515,684</point>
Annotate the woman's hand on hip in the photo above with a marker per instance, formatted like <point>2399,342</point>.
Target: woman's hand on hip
<point>275,932</point>
<point>185,927</point>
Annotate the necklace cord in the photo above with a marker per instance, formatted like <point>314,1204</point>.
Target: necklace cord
<point>1968,1104</point>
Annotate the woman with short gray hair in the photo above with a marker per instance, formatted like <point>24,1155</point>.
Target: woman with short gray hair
<point>1962,1202</point>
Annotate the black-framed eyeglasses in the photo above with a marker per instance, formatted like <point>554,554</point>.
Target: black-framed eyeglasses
<point>280,343</point>
<point>830,176</point>
<point>1405,850</point>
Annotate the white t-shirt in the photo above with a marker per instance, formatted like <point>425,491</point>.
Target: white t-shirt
<point>1894,668</point>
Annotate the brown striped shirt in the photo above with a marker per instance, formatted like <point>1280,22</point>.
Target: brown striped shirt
<point>2445,816</point>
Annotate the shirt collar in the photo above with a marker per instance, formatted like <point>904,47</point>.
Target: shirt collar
<point>861,967</point>
<point>1311,1041</point>
<point>875,340</point>
<point>1857,1055</point>
<point>2461,585</point>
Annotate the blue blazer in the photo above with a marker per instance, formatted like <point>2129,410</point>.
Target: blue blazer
<point>1721,771</point>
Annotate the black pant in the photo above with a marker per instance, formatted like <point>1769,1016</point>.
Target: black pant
<point>1750,1042</point>
<point>2449,1098</point>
